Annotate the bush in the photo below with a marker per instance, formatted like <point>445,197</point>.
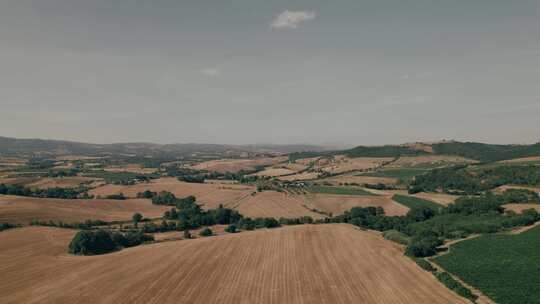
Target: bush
<point>457,287</point>
<point>92,242</point>
<point>5,226</point>
<point>146,194</point>
<point>206,232</point>
<point>119,196</point>
<point>425,265</point>
<point>424,245</point>
<point>231,229</point>
<point>396,236</point>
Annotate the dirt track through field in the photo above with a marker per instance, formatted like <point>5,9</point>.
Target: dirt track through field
<point>298,264</point>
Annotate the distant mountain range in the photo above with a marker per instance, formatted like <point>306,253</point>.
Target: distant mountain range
<point>14,146</point>
<point>472,150</point>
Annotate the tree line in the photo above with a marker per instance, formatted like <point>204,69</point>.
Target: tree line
<point>464,180</point>
<point>56,192</point>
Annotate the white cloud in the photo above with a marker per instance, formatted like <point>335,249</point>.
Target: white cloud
<point>211,72</point>
<point>291,19</point>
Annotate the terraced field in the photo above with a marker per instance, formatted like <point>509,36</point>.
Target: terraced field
<point>19,209</point>
<point>298,264</point>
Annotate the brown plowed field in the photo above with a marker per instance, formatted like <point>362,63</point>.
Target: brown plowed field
<point>133,168</point>
<point>235,165</point>
<point>341,163</point>
<point>298,264</point>
<point>274,172</point>
<point>20,209</point>
<point>518,208</point>
<point>23,181</point>
<point>61,182</point>
<point>274,204</point>
<point>522,160</point>
<point>338,204</point>
<point>506,187</point>
<point>300,176</point>
<point>208,195</point>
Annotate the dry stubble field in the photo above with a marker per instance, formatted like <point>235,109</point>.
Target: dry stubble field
<point>235,165</point>
<point>296,264</point>
<point>208,195</point>
<point>22,210</point>
<point>338,204</point>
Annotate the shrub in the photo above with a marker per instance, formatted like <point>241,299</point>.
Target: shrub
<point>456,286</point>
<point>92,242</point>
<point>5,226</point>
<point>206,232</point>
<point>231,229</point>
<point>425,265</point>
<point>396,236</point>
<point>137,217</point>
<point>119,196</point>
<point>424,245</point>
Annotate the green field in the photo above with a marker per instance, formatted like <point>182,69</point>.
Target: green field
<point>402,174</point>
<point>338,190</point>
<point>506,268</point>
<point>414,202</point>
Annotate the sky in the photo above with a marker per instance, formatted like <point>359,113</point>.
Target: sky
<point>356,72</point>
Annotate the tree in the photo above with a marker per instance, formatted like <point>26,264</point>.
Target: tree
<point>423,245</point>
<point>88,242</point>
<point>137,217</point>
<point>206,232</point>
<point>231,229</point>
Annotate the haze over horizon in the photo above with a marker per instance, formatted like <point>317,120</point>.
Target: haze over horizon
<point>283,72</point>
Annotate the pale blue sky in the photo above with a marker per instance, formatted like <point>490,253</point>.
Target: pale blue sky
<point>345,71</point>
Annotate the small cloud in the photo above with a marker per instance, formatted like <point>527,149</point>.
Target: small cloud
<point>211,72</point>
<point>291,19</point>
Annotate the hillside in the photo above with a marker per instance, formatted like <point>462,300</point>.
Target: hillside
<point>299,264</point>
<point>14,146</point>
<point>471,150</point>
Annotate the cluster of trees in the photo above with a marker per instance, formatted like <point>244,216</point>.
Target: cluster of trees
<point>63,193</point>
<point>119,196</point>
<point>380,186</point>
<point>86,225</point>
<point>63,173</point>
<point>93,242</point>
<point>122,178</point>
<point>486,152</point>
<point>196,176</point>
<point>190,215</point>
<point>468,181</point>
<point>6,226</point>
<point>424,228</point>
